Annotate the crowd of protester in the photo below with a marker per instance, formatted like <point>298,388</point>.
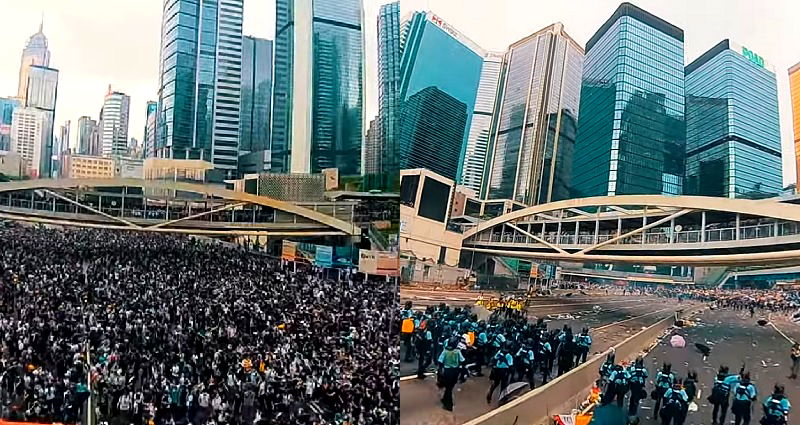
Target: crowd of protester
<point>514,348</point>
<point>765,300</point>
<point>161,329</point>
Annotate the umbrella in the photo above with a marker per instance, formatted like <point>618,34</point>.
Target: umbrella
<point>677,341</point>
<point>512,391</point>
<point>703,349</point>
<point>762,322</point>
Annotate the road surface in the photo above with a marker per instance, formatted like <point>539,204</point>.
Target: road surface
<point>620,317</point>
<point>734,338</point>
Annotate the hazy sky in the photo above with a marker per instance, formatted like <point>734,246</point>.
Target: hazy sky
<point>768,27</point>
<point>94,43</point>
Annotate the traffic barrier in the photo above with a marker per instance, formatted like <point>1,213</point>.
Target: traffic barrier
<point>539,405</point>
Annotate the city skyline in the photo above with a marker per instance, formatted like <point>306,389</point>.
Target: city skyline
<point>123,50</point>
<point>496,25</point>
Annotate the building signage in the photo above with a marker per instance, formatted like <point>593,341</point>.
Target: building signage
<point>439,22</point>
<point>749,54</point>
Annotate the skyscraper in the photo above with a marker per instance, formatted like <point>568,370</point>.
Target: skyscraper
<point>432,131</point>
<point>63,139</point>
<point>149,142</point>
<point>389,55</point>
<point>631,136</point>
<point>372,147</point>
<point>536,122</point>
<point>28,135</point>
<point>87,130</point>
<point>480,128</point>
<point>318,93</point>
<point>794,88</point>
<point>7,106</point>
<point>41,94</point>
<point>439,64</point>
<point>733,142</point>
<point>199,87</point>
<point>256,104</point>
<point>114,123</point>
<point>34,54</point>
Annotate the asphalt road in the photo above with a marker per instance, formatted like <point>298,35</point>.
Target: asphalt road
<point>619,318</point>
<point>734,339</point>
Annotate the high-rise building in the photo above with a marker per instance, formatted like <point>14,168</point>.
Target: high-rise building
<point>794,88</point>
<point>114,123</point>
<point>149,142</point>
<point>372,147</point>
<point>389,55</point>
<point>432,131</point>
<point>64,139</point>
<point>200,79</point>
<point>28,139</point>
<point>134,148</point>
<point>41,94</point>
<point>531,159</point>
<point>317,116</point>
<point>7,106</point>
<point>733,141</point>
<point>631,136</point>
<point>34,54</point>
<point>254,131</point>
<point>438,64</point>
<point>87,132</point>
<point>480,128</point>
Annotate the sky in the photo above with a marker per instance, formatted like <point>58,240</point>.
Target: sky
<point>770,28</point>
<point>94,43</point>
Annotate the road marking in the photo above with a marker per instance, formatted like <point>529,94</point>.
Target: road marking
<point>632,318</point>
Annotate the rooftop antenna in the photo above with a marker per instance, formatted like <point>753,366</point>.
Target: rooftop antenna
<point>41,23</point>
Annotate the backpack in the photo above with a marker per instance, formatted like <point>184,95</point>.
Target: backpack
<point>620,382</point>
<point>637,376</point>
<point>774,408</point>
<point>719,392</point>
<point>664,381</point>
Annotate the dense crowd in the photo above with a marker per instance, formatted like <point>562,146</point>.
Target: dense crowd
<point>159,329</point>
<point>514,348</point>
<point>775,301</point>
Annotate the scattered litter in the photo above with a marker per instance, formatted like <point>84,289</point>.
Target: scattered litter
<point>763,363</point>
<point>692,407</point>
<point>776,365</point>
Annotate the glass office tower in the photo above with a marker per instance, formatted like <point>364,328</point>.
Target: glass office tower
<point>7,106</point>
<point>631,136</point>
<point>438,64</point>
<point>87,131</point>
<point>200,78</point>
<point>481,126</point>
<point>256,104</point>
<point>432,131</point>
<point>388,88</point>
<point>536,122</point>
<point>318,93</point>
<point>733,143</point>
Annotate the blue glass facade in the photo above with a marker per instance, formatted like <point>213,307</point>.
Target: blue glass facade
<point>733,146</point>
<point>200,61</point>
<point>7,107</point>
<point>388,86</point>
<point>436,56</point>
<point>631,136</point>
<point>431,132</point>
<point>254,130</point>
<point>335,97</point>
<point>337,86</point>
